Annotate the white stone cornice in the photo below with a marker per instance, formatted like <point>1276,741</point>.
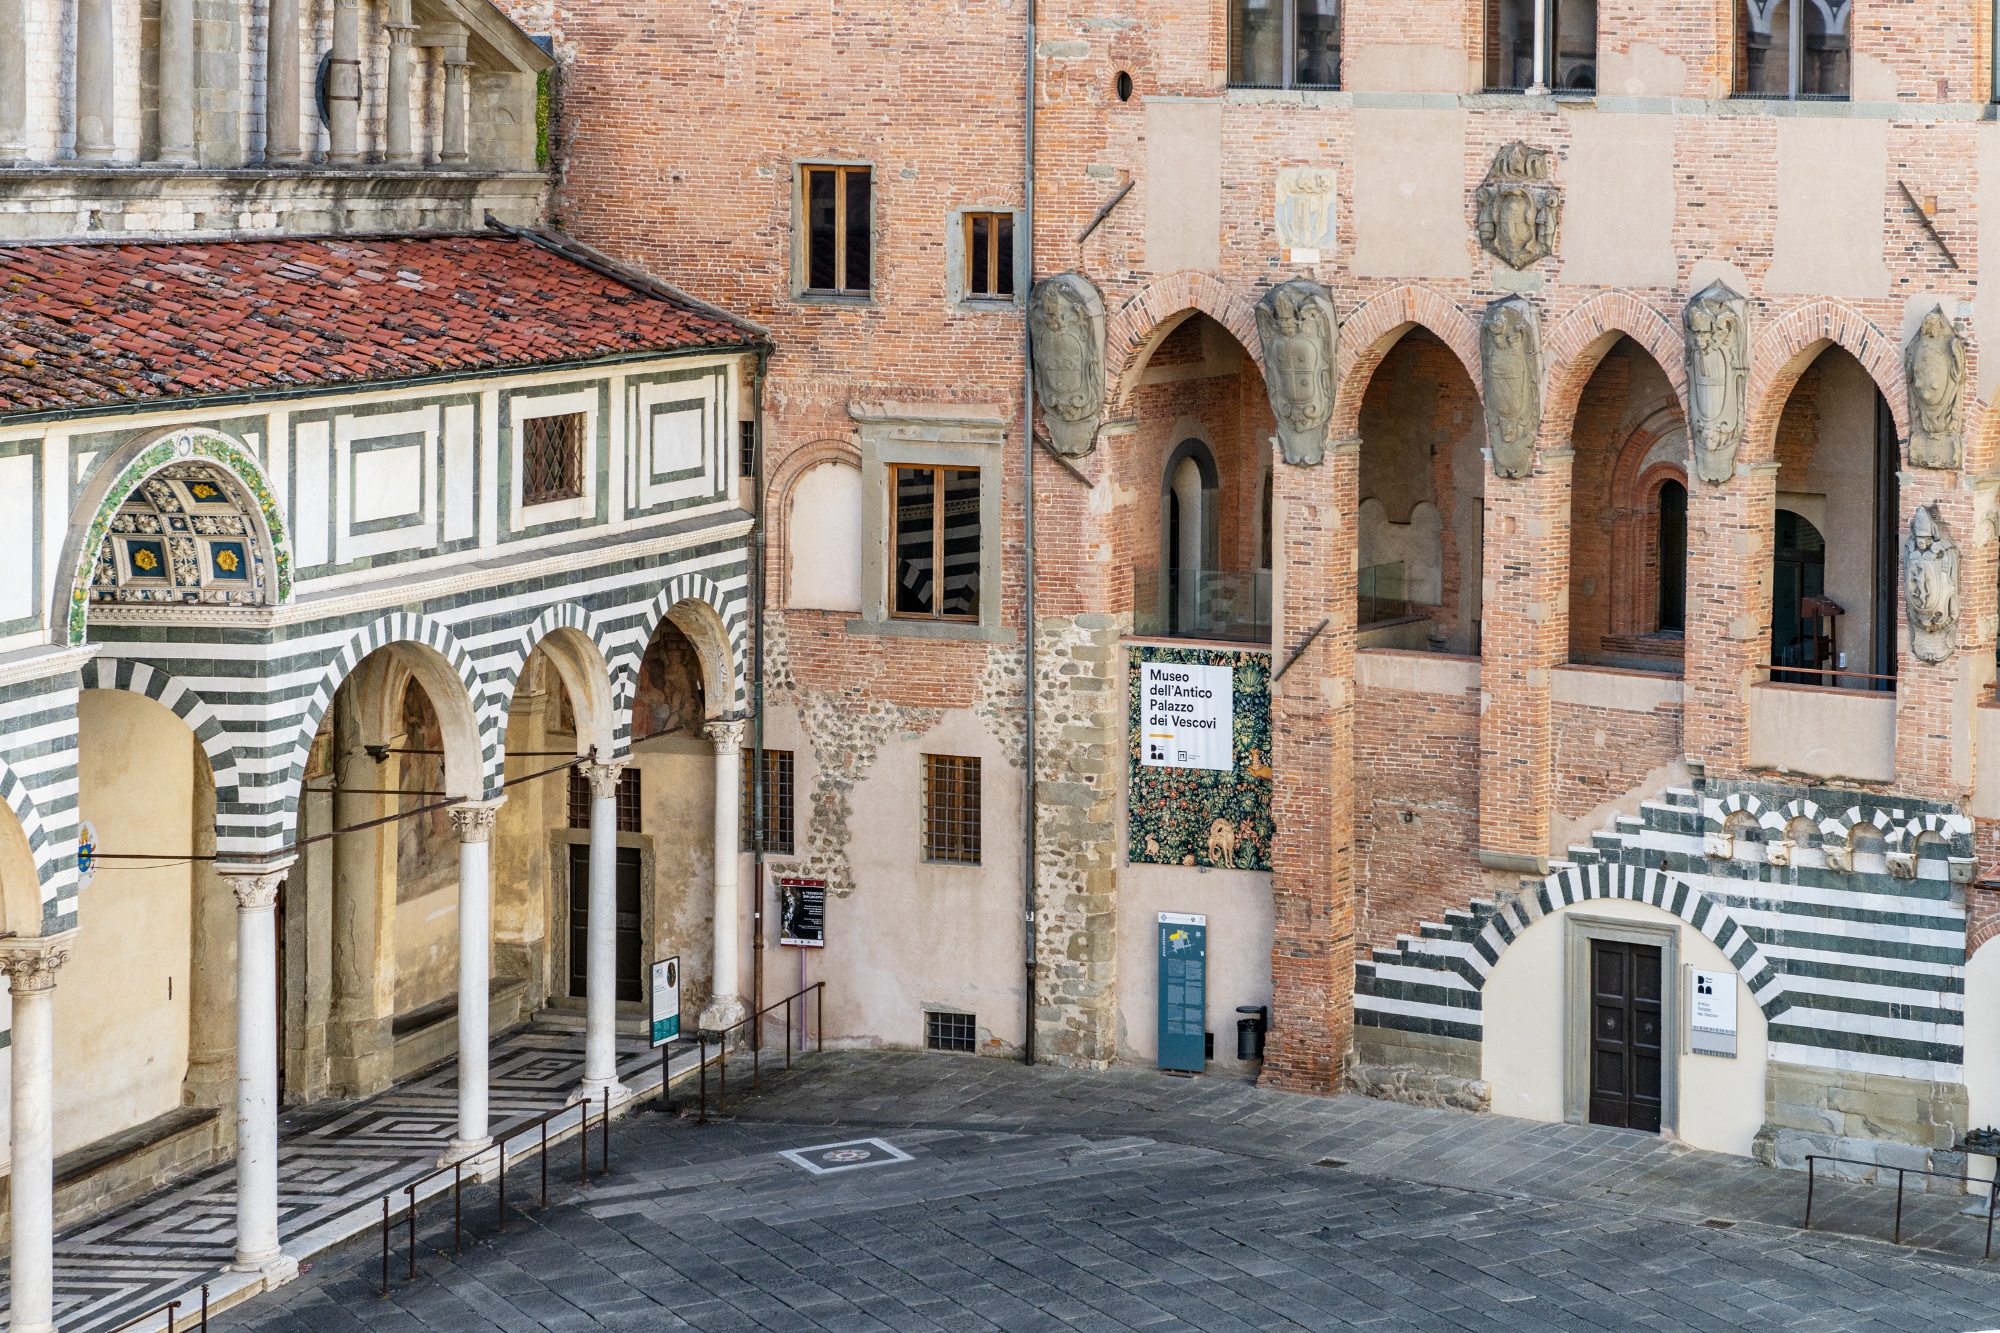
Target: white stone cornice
<point>40,663</point>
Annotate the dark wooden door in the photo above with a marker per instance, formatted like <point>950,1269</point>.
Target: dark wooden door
<point>1626,1022</point>
<point>629,944</point>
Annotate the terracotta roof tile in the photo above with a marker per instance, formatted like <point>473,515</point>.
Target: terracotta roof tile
<point>98,324</point>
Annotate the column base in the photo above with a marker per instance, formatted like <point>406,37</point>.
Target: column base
<point>592,1090</point>
<point>722,1012</point>
<point>277,1268</point>
<point>477,1155</point>
<point>48,1325</point>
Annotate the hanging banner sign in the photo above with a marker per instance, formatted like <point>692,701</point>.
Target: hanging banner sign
<point>1183,992</point>
<point>802,913</point>
<point>666,1000</point>
<point>1188,716</point>
<point>1712,1013</point>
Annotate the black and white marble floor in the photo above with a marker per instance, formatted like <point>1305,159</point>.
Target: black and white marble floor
<point>335,1164</point>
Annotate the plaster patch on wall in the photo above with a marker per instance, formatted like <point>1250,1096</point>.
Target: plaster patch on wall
<point>1832,182</point>
<point>1612,161</point>
<point>1409,195</point>
<point>1641,70</point>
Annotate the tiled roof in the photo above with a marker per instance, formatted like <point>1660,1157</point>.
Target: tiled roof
<point>97,324</point>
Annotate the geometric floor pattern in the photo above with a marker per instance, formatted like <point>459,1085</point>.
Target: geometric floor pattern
<point>332,1158</point>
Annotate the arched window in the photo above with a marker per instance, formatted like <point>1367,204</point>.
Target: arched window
<point>1188,512</point>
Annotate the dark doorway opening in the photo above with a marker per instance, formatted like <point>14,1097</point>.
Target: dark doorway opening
<point>629,950</point>
<point>1626,1023</point>
<point>1801,620</point>
<point>1671,607</point>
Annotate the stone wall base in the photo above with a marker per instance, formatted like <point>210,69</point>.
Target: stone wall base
<point>1877,1121</point>
<point>1417,1069</point>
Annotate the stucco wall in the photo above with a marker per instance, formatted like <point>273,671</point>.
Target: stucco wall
<point>1238,906</point>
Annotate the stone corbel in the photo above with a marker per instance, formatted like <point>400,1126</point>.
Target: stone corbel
<point>1839,856</point>
<point>1718,846</point>
<point>1964,869</point>
<point>1902,865</point>
<point>1778,851</point>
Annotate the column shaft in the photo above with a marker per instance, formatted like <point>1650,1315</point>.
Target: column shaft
<point>281,84</point>
<point>96,78</point>
<point>454,112</point>
<point>343,92</point>
<point>475,951</point>
<point>177,83</point>
<point>257,1248</point>
<point>31,966</point>
<point>396,112</point>
<point>725,1007</point>
<point>13,80</point>
<point>600,1040</point>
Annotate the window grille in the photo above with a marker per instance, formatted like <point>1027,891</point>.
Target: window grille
<point>746,450</point>
<point>951,809</point>
<point>838,231</point>
<point>1284,43</point>
<point>947,1031</point>
<point>935,518</point>
<point>989,256</point>
<point>552,458</point>
<point>628,799</point>
<point>777,820</point>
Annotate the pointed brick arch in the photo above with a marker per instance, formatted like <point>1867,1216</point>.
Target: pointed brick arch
<point>1142,323</point>
<point>1372,329</point>
<point>1787,344</point>
<point>1579,341</point>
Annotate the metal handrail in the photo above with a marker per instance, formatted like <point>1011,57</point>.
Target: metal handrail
<point>170,1307</point>
<point>721,1038</point>
<point>1992,1193</point>
<point>499,1148</point>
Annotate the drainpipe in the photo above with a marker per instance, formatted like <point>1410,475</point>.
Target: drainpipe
<point>758,530</point>
<point>1028,559</point>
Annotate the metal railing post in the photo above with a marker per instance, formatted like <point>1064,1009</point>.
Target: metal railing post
<point>1899,1207</point>
<point>411,1190</point>
<point>545,1161</point>
<point>703,1118</point>
<point>1992,1197</point>
<point>819,1028</point>
<point>204,1307</point>
<point>385,1245</point>
<point>788,1033</point>
<point>604,1159</point>
<point>1810,1162</point>
<point>583,1143</point>
<point>457,1209</point>
<point>503,1184</point>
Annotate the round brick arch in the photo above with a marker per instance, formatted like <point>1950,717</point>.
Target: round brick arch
<point>1367,335</point>
<point>1580,340</point>
<point>1145,320</point>
<point>1785,346</point>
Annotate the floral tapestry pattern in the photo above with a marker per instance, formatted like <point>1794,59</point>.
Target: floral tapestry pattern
<point>1205,817</point>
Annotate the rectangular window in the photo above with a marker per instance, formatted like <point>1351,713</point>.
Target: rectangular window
<point>1284,43</point>
<point>1792,49</point>
<point>746,448</point>
<point>1568,65</point>
<point>989,255</point>
<point>945,1031</point>
<point>935,518</point>
<point>838,215</point>
<point>951,809</point>
<point>628,799</point>
<point>777,819</point>
<point>552,458</point>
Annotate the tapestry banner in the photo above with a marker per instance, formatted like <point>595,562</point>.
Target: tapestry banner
<point>1198,796</point>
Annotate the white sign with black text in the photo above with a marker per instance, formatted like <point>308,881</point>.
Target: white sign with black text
<point>1712,1013</point>
<point>1188,716</point>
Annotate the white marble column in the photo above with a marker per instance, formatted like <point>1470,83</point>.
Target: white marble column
<point>600,1023</point>
<point>475,969</point>
<point>343,85</point>
<point>176,83</point>
<point>725,1007</point>
<point>31,965</point>
<point>396,102</point>
<point>96,79</point>
<point>454,151</point>
<point>13,80</point>
<point>257,1249</point>
<point>1538,83</point>
<point>281,84</point>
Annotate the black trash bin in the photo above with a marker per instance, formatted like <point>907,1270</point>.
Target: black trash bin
<point>1250,1031</point>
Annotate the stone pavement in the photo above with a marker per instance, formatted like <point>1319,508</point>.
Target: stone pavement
<point>1053,1199</point>
<point>335,1161</point>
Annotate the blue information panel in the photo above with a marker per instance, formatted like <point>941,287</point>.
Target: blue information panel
<point>1183,991</point>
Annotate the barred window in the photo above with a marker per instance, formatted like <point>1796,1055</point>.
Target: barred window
<point>935,519</point>
<point>777,820</point>
<point>552,458</point>
<point>951,809</point>
<point>628,799</point>
<point>947,1031</point>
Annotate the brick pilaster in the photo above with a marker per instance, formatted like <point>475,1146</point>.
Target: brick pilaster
<point>1934,701</point>
<point>1312,716</point>
<point>1524,631</point>
<point>1730,531</point>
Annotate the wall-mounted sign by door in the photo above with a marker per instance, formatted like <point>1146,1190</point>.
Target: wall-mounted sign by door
<point>802,913</point>
<point>1712,1013</point>
<point>666,1001</point>
<point>1183,992</point>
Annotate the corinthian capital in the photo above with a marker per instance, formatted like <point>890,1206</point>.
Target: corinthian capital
<point>31,962</point>
<point>474,822</point>
<point>255,887</point>
<point>603,778</point>
<point>725,734</point>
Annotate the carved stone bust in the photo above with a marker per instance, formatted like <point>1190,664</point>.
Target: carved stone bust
<point>1510,367</point>
<point>1930,585</point>
<point>1934,363</point>
<point>1066,333</point>
<point>1518,206</point>
<point>1295,323</point>
<point>1718,371</point>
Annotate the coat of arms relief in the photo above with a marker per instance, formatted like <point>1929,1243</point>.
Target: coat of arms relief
<point>1518,206</point>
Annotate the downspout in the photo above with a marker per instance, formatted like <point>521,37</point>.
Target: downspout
<point>1028,559</point>
<point>758,532</point>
